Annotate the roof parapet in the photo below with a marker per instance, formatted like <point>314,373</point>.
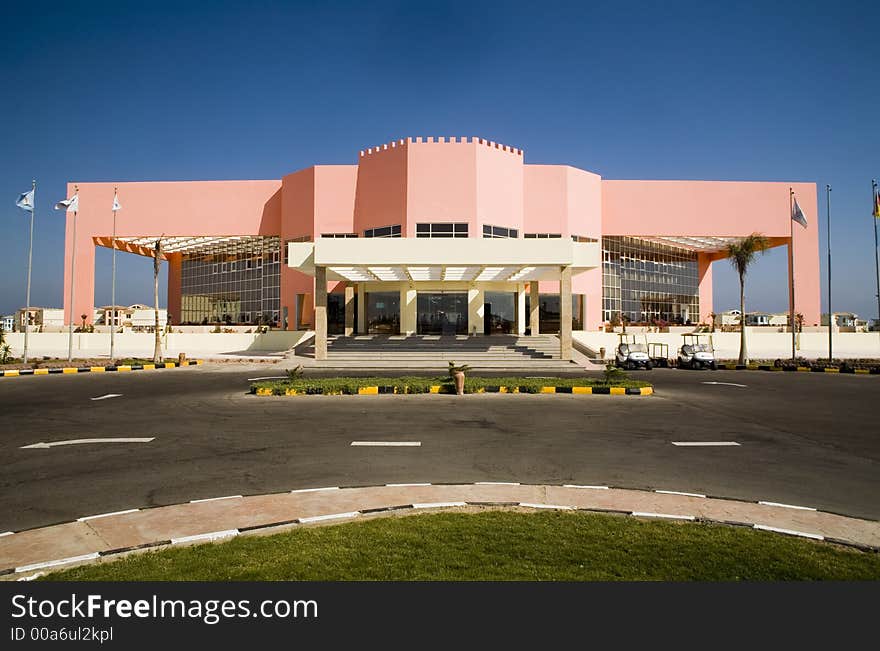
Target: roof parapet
<point>440,140</point>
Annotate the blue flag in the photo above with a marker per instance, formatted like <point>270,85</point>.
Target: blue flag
<point>26,201</point>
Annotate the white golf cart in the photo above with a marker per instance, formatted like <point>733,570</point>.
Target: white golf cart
<point>630,354</point>
<point>697,352</point>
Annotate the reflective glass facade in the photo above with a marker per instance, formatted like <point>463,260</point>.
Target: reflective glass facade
<point>442,313</point>
<point>645,281</point>
<point>232,282</point>
<point>499,313</point>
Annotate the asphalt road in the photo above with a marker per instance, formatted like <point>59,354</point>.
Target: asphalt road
<point>806,439</point>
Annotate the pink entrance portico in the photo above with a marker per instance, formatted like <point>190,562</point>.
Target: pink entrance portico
<point>416,188</point>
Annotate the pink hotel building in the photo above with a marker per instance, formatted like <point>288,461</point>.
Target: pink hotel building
<point>440,236</point>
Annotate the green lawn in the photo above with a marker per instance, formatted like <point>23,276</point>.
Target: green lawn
<point>350,385</point>
<point>497,545</point>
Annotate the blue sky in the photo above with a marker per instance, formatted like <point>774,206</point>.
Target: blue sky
<point>183,91</point>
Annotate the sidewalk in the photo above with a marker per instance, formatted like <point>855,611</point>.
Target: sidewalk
<point>101,535</point>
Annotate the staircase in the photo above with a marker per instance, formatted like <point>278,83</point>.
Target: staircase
<point>539,353</point>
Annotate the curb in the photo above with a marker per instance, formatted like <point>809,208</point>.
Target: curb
<point>874,370</point>
<point>681,512</point>
<point>122,368</point>
<point>446,389</point>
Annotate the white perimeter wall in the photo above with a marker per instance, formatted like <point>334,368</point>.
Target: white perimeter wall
<point>760,345</point>
<point>140,344</point>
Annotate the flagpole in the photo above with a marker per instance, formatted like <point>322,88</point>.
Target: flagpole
<point>791,269</point>
<point>113,290</point>
<point>27,300</point>
<point>72,283</point>
<point>876,257</point>
<point>830,313</point>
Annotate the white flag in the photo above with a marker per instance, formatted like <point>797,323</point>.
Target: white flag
<point>26,201</point>
<point>798,215</point>
<point>70,205</point>
<point>116,205</point>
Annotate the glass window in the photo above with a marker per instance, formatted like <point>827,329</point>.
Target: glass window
<point>499,231</point>
<point>383,231</point>
<point>442,229</point>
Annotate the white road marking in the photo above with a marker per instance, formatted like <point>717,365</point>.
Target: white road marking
<point>680,493</point>
<point>32,577</point>
<point>214,535</point>
<point>530,505</point>
<point>386,444</point>
<point>109,395</point>
<point>331,516</point>
<point>60,561</point>
<point>437,505</point>
<point>106,515</point>
<point>645,514</point>
<point>80,441</point>
<point>496,483</point>
<point>598,488</point>
<point>729,384</point>
<point>791,532</point>
<point>6,533</point>
<point>788,506</point>
<point>270,377</point>
<point>405,485</point>
<point>707,444</point>
<point>315,490</point>
<point>214,499</point>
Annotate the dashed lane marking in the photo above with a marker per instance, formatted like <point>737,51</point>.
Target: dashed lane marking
<point>706,444</point>
<point>386,444</point>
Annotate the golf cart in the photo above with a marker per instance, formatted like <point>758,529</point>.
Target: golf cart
<point>631,355</point>
<point>659,354</point>
<point>696,352</point>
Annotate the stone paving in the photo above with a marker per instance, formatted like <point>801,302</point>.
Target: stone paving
<point>26,552</point>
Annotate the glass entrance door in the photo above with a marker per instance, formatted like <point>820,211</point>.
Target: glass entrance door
<point>442,313</point>
<point>499,313</point>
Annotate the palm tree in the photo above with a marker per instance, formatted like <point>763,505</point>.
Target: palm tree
<point>741,254</point>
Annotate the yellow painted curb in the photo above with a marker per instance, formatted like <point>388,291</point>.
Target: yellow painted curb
<point>149,367</point>
<point>123,368</point>
<point>13,373</point>
<point>863,371</point>
<point>288,392</point>
<point>548,389</point>
<point>97,369</point>
<point>582,390</point>
<point>41,371</point>
<point>804,369</point>
<point>618,391</point>
<point>184,363</point>
<point>264,392</point>
<point>832,370</point>
<point>647,391</point>
<point>369,391</point>
<point>435,388</point>
<point>170,365</point>
<point>67,369</point>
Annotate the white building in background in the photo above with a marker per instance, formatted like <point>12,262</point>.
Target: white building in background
<point>41,319</point>
<point>136,318</point>
<point>8,322</point>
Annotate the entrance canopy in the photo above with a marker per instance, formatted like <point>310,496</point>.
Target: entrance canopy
<point>437,259</point>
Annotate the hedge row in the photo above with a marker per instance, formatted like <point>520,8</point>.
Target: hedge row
<point>350,385</point>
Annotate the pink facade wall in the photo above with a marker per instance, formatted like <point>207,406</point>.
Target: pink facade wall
<point>726,209</point>
<point>160,208</point>
<point>441,179</point>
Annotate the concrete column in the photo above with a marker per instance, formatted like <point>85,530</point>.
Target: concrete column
<point>362,308</point>
<point>349,310</point>
<point>534,308</point>
<point>175,303</point>
<point>320,313</point>
<point>565,314</point>
<point>408,310</point>
<point>476,311</point>
<point>520,309</point>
